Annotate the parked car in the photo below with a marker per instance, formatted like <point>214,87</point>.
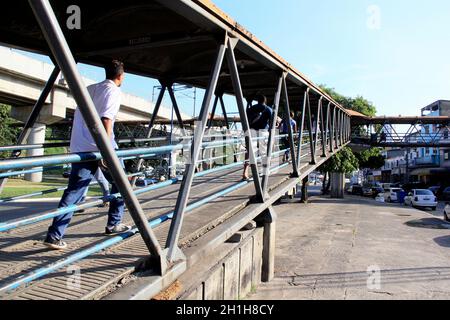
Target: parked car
<point>421,198</point>
<point>446,194</point>
<point>386,186</point>
<point>376,191</point>
<point>357,191</point>
<point>391,195</point>
<point>367,191</point>
<point>380,197</point>
<point>447,212</point>
<point>435,190</point>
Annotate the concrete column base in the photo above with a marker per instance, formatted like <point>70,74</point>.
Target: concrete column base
<point>337,185</point>
<point>305,184</point>
<point>37,136</point>
<point>268,221</point>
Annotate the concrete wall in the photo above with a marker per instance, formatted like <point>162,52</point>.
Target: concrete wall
<point>231,277</point>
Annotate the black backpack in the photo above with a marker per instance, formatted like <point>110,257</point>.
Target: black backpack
<point>254,118</point>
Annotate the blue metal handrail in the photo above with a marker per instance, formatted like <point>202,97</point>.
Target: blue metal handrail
<point>9,225</point>
<point>117,239</point>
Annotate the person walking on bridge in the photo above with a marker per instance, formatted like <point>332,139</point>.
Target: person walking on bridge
<point>284,130</point>
<point>106,96</point>
<point>259,117</point>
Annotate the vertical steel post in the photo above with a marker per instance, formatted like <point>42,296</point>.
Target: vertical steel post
<point>327,128</point>
<point>32,118</point>
<point>287,119</point>
<point>271,143</point>
<point>185,188</point>
<point>150,128</point>
<point>63,56</point>
<point>330,127</point>
<point>335,140</point>
<point>301,130</point>
<point>323,128</point>
<point>244,118</point>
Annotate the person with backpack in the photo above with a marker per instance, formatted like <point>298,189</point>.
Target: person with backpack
<point>259,117</point>
<point>284,130</point>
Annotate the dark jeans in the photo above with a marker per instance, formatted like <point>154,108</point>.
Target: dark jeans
<point>80,178</point>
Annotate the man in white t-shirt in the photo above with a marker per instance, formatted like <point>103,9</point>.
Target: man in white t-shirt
<point>106,96</point>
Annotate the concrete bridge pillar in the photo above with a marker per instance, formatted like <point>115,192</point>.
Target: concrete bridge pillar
<point>37,136</point>
<point>337,185</point>
<point>268,221</point>
<point>305,183</point>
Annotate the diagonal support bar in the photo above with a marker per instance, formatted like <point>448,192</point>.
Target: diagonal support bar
<point>319,112</point>
<point>301,130</point>
<point>271,143</point>
<point>244,118</point>
<point>310,131</point>
<point>213,113</point>
<point>287,120</point>
<point>185,189</point>
<point>176,108</point>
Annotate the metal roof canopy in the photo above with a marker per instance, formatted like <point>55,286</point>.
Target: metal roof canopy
<point>170,40</point>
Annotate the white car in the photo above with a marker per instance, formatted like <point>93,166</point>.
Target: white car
<point>380,198</point>
<point>447,212</point>
<point>391,194</point>
<point>421,198</point>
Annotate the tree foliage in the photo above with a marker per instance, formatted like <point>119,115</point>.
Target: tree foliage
<point>370,159</point>
<point>8,135</point>
<point>358,104</point>
<point>344,161</point>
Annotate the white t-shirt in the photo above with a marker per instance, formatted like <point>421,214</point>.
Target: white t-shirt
<point>107,99</point>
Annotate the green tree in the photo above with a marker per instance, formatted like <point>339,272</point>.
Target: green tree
<point>370,159</point>
<point>344,161</point>
<point>358,104</point>
<point>8,134</point>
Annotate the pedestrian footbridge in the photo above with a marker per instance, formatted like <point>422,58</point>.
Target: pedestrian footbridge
<point>205,232</point>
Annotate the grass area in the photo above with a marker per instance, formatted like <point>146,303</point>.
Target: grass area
<point>18,187</point>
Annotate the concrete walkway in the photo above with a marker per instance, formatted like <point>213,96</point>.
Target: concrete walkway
<point>358,249</point>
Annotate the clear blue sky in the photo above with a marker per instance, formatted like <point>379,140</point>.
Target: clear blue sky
<point>399,61</point>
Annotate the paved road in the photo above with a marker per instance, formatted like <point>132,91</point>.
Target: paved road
<point>326,248</point>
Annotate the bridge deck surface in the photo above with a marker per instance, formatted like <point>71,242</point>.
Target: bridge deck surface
<point>21,250</point>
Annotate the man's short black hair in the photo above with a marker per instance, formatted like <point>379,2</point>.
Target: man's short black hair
<point>261,99</point>
<point>114,69</point>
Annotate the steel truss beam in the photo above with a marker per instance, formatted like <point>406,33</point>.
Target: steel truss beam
<point>268,159</point>
<point>173,252</point>
<point>302,129</point>
<point>64,59</point>
<point>287,119</point>
<point>319,113</point>
<point>310,130</point>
